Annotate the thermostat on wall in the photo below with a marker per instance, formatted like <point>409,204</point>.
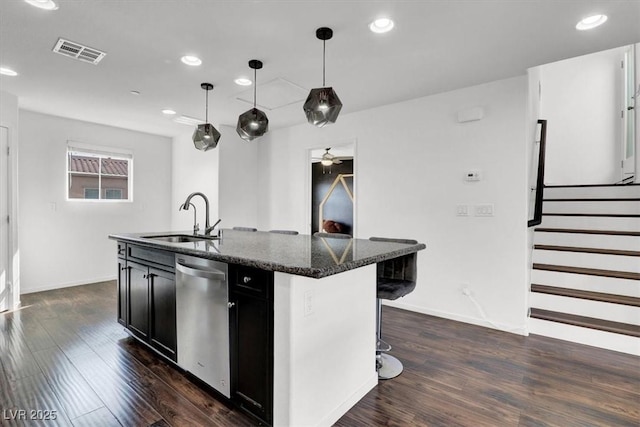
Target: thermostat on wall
<point>472,176</point>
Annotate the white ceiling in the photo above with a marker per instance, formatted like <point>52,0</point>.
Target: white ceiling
<point>437,46</point>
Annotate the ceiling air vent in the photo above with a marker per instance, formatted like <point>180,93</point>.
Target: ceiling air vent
<point>78,51</point>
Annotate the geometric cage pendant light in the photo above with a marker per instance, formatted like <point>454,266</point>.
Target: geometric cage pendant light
<point>206,136</point>
<point>253,123</point>
<point>322,105</point>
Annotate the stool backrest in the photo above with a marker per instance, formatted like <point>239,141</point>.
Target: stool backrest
<point>403,268</point>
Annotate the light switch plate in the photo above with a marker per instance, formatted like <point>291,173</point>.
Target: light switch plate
<point>484,210</point>
<point>462,210</point>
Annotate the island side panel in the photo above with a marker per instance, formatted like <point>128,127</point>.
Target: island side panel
<point>324,345</point>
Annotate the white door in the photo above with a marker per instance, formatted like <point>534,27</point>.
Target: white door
<point>4,213</point>
<point>628,115</point>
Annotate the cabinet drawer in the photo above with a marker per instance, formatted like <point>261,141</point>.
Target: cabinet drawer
<point>253,281</point>
<point>155,256</point>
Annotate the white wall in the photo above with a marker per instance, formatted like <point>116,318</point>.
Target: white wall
<point>9,119</point>
<point>193,170</point>
<point>581,99</point>
<point>238,175</point>
<point>410,161</point>
<point>64,243</point>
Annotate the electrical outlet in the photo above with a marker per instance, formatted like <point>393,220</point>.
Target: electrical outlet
<point>308,303</point>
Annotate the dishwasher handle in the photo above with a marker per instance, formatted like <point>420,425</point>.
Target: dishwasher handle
<point>207,273</point>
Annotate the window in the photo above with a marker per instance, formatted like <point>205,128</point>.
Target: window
<point>98,173</point>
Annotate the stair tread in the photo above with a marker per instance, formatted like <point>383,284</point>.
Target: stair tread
<point>589,271</point>
<point>587,250</point>
<point>590,295</point>
<point>586,322</point>
<point>587,231</point>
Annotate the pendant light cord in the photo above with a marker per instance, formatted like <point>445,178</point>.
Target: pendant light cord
<point>324,47</point>
<point>206,108</point>
<point>255,84</point>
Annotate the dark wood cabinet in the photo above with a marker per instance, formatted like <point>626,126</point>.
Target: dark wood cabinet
<point>123,290</point>
<point>147,308</point>
<point>147,296</point>
<point>250,293</point>
<point>162,333</point>
<point>138,313</point>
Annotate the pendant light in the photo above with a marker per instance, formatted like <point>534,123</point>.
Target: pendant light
<point>206,136</point>
<point>322,105</point>
<point>253,123</point>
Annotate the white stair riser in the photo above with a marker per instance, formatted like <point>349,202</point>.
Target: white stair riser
<point>587,308</point>
<point>602,241</point>
<point>587,260</point>
<point>583,282</point>
<point>592,337</point>
<point>592,223</point>
<point>610,192</point>
<point>613,207</point>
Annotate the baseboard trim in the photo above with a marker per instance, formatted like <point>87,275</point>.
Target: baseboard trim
<point>66,285</point>
<point>514,329</point>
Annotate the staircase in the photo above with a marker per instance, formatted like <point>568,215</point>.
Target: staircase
<point>585,282</point>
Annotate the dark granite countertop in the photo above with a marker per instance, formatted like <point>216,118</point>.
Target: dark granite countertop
<point>302,255</point>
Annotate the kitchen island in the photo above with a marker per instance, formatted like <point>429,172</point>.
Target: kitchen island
<point>301,310</point>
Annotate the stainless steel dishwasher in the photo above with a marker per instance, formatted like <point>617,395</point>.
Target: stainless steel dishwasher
<point>202,320</point>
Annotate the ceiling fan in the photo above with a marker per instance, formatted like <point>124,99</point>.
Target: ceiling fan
<point>329,159</point>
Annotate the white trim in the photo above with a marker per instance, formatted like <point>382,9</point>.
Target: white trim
<point>99,152</point>
<point>514,329</point>
<point>353,142</point>
<point>50,287</point>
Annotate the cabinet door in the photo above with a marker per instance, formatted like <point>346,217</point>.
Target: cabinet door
<point>122,291</point>
<point>252,319</point>
<point>138,298</point>
<point>163,312</point>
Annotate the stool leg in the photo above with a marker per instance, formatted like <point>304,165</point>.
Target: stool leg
<point>390,367</point>
<point>378,330</point>
<point>387,366</point>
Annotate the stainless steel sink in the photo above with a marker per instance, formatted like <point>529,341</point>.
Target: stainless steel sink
<point>180,238</point>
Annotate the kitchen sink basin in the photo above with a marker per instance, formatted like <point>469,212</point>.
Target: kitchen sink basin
<point>180,238</point>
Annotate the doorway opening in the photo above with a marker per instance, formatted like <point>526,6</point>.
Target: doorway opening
<point>333,189</point>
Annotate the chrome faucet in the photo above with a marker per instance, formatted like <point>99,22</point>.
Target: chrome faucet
<point>196,226</point>
<point>185,206</point>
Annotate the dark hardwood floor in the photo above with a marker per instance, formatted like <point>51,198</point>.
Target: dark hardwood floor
<point>64,355</point>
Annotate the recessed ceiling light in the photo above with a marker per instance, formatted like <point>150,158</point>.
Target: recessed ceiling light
<point>591,22</point>
<point>194,61</point>
<point>381,25</point>
<point>243,81</point>
<point>168,112</point>
<point>7,72</point>
<point>43,4</point>
<point>135,92</point>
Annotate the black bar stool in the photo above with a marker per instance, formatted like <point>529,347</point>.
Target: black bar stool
<point>395,278</point>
